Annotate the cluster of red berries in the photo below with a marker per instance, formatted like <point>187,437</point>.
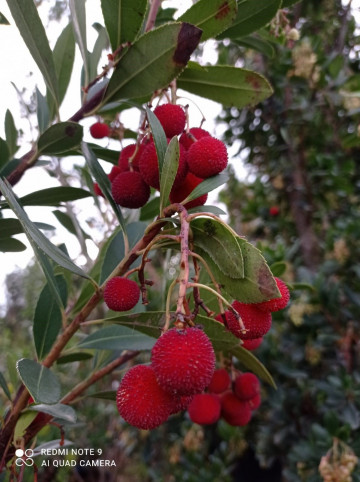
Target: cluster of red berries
<point>234,402</point>
<point>182,365</point>
<point>256,317</point>
<point>201,156</point>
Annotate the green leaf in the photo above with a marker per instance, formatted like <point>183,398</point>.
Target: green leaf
<point>42,110</point>
<point>102,42</point>
<point>25,419</point>
<point>28,22</point>
<point>150,210</point>
<point>220,244</point>
<point>60,138</point>
<point>251,16</point>
<point>78,17</point>
<point>13,245</point>
<point>10,133</point>
<point>9,167</point>
<point>207,186</point>
<point>68,223</point>
<point>153,61</point>
<point>43,384</point>
<point>123,19</point>
<point>64,55</point>
<point>52,196</point>
<point>105,395</point>
<point>212,16</point>
<point>207,209</point>
<point>117,338</point>
<point>289,3</point>
<point>3,20</point>
<point>251,363</point>
<point>4,153</point>
<point>35,236</point>
<point>103,181</point>
<point>57,410</point>
<point>169,170</point>
<point>74,357</point>
<point>105,154</point>
<point>115,250</point>
<point>231,86</point>
<point>278,268</point>
<point>257,285</point>
<point>48,317</point>
<point>4,386</point>
<point>257,44</point>
<point>159,138</point>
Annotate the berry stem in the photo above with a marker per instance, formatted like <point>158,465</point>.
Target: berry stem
<point>167,308</point>
<point>200,285</point>
<point>212,277</point>
<point>183,277</point>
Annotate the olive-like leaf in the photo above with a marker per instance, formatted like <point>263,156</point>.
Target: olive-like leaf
<point>117,338</point>
<point>42,383</point>
<point>60,138</point>
<point>169,170</point>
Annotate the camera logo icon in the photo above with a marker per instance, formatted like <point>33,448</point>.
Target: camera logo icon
<point>24,457</point>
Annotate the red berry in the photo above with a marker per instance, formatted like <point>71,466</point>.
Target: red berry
<point>97,190</point>
<point>274,211</point>
<point>257,322</point>
<point>246,386</point>
<point>128,153</point>
<point>276,304</point>
<point>183,360</point>
<point>141,401</point>
<point>121,294</point>
<point>99,130</point>
<point>181,403</point>
<point>180,191</point>
<point>252,344</point>
<point>254,402</point>
<point>207,157</point>
<point>236,412</point>
<point>115,171</point>
<point>195,133</point>
<point>129,190</point>
<point>172,118</point>
<point>220,381</point>
<point>149,166</point>
<point>204,409</point>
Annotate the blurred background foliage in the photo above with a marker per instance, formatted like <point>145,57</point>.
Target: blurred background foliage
<point>299,203</point>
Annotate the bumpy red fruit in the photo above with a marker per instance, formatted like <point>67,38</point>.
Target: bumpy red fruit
<point>236,412</point>
<point>274,211</point>
<point>115,171</point>
<point>257,322</point>
<point>172,118</point>
<point>205,409</point>
<point>195,133</point>
<point>220,381</point>
<point>181,403</point>
<point>129,190</point>
<point>180,191</point>
<point>207,157</point>
<point>183,360</point>
<point>141,401</point>
<point>121,294</point>
<point>246,386</point>
<point>127,154</point>
<point>97,190</point>
<point>252,344</point>
<point>254,402</point>
<point>99,130</point>
<point>276,304</point>
<point>149,166</point>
